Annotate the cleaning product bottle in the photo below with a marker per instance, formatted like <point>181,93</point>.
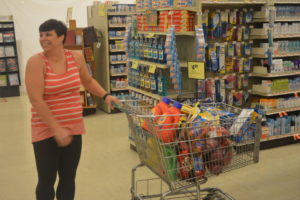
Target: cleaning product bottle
<point>161,51</point>
<point>137,47</point>
<point>153,83</point>
<point>161,84</point>
<point>154,51</point>
<point>145,48</point>
<point>150,55</point>
<point>142,77</point>
<point>147,80</point>
<point>158,109</point>
<point>169,122</point>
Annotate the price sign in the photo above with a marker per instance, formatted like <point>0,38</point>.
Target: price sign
<point>152,69</point>
<point>134,65</point>
<point>196,70</point>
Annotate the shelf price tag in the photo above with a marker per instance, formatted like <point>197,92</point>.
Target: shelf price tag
<point>280,114</point>
<point>196,70</point>
<point>152,69</point>
<point>296,94</point>
<point>134,65</point>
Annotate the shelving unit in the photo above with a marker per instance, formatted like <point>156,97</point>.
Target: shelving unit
<point>112,23</point>
<point>271,33</point>
<point>88,100</point>
<point>9,64</point>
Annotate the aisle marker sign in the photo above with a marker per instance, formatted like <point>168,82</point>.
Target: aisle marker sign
<point>196,70</point>
<point>152,69</point>
<point>134,65</point>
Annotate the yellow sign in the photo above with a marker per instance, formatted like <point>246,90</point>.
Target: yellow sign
<point>196,70</point>
<point>134,65</point>
<point>101,11</point>
<point>152,69</point>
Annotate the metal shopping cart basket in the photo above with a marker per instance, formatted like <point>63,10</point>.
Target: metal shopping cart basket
<point>183,155</point>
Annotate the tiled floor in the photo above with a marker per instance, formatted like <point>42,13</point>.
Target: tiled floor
<point>104,171</point>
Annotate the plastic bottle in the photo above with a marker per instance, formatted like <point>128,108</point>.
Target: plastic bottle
<point>161,84</point>
<point>154,51</point>
<point>132,48</point>
<point>161,51</point>
<point>168,123</point>
<point>142,77</point>
<point>153,83</point>
<point>150,58</point>
<point>145,49</point>
<point>147,80</point>
<point>137,47</point>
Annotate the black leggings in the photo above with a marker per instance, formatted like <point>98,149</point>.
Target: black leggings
<point>51,159</point>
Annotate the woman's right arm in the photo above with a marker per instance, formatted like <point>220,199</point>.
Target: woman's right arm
<point>34,81</point>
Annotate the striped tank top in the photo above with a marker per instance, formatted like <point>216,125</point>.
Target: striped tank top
<point>62,95</point>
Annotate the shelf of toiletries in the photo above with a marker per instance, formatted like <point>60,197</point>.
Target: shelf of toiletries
<point>281,110</point>
<point>272,94</point>
<point>152,95</point>
<point>186,33</point>
<point>286,2</point>
<point>116,38</point>
<point>217,2</point>
<point>287,135</point>
<point>276,56</point>
<point>276,75</point>
<point>120,13</point>
<point>189,8</point>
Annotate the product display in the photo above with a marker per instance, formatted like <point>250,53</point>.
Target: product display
<point>9,67</point>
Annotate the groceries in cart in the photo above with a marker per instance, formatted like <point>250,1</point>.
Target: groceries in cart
<point>196,138</point>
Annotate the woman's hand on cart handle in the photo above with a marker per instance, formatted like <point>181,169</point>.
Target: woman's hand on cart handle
<point>111,100</point>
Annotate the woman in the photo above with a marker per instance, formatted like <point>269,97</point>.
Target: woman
<point>53,80</point>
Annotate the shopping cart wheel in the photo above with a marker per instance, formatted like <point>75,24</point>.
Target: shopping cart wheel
<point>213,196</point>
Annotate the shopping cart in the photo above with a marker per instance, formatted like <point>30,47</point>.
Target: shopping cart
<point>184,155</point>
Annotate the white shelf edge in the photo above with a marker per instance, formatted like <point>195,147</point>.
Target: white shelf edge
<point>277,111</point>
<point>279,136</point>
<point>118,89</point>
<point>115,75</point>
<point>275,93</point>
<point>271,75</point>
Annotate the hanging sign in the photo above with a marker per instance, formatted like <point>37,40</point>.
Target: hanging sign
<point>134,65</point>
<point>196,70</point>
<point>152,69</point>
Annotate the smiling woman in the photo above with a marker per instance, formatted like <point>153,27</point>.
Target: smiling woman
<point>53,78</point>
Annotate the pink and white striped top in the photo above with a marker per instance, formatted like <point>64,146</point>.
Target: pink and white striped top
<point>62,94</point>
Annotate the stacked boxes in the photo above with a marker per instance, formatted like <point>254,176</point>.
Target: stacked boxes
<point>182,20</point>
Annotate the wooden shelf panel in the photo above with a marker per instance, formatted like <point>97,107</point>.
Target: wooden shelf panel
<point>232,2</point>
<point>117,50</point>
<point>274,93</point>
<point>117,38</point>
<point>118,62</point>
<point>117,25</point>
<point>277,56</point>
<point>115,75</point>
<point>170,94</point>
<point>193,9</point>
<point>120,13</point>
<point>281,36</point>
<point>187,33</point>
<point>274,75</point>
<point>119,89</point>
<point>278,137</point>
<point>277,111</point>
<point>183,64</point>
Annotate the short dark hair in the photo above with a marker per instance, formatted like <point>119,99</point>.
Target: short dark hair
<point>52,24</point>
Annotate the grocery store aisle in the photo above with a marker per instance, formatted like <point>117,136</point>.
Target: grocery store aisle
<point>106,162</point>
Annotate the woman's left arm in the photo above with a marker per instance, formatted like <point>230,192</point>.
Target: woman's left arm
<point>91,84</point>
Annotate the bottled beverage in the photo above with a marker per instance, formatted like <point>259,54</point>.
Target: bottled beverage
<point>142,77</point>
<point>145,49</point>
<point>137,47</point>
<point>161,51</point>
<point>147,80</point>
<point>150,58</point>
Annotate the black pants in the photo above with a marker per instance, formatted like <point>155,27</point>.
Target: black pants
<point>50,160</point>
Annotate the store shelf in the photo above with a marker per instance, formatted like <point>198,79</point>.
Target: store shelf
<point>187,33</point>
<point>89,106</point>
<point>162,66</point>
<point>285,19</point>
<point>286,2</point>
<point>193,9</point>
<point>277,111</point>
<point>183,64</point>
<point>171,95</point>
<point>274,75</point>
<point>274,93</point>
<point>117,50</point>
<point>281,36</point>
<point>118,62</point>
<point>279,137</point>
<point>117,38</point>
<point>233,2</point>
<point>117,25</point>
<point>115,75</point>
<point>276,56</point>
<point>118,89</point>
<point>120,13</point>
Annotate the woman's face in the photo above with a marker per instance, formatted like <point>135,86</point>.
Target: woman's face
<point>50,40</point>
